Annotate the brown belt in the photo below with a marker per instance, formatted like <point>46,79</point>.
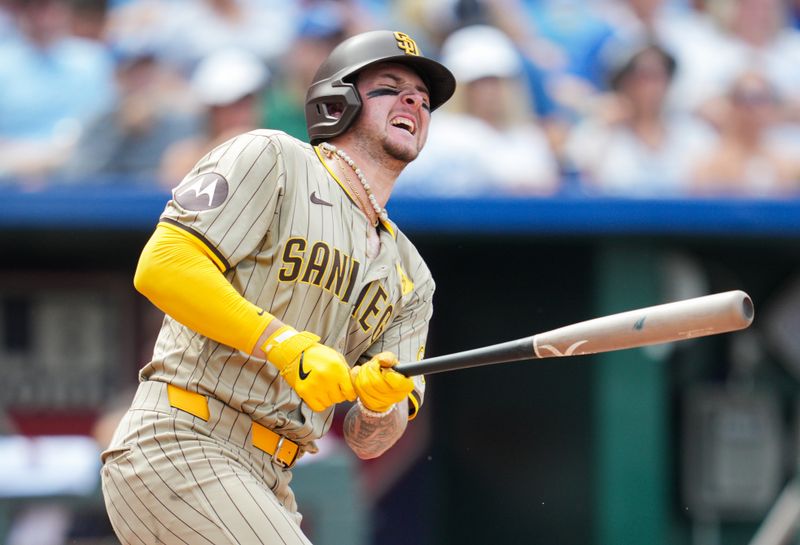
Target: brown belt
<point>283,451</point>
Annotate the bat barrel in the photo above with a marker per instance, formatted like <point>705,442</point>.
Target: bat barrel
<point>678,321</point>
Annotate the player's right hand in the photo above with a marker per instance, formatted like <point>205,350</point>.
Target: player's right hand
<point>378,386</point>
<point>319,374</point>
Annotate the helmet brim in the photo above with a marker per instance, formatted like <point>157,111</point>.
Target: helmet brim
<point>438,79</point>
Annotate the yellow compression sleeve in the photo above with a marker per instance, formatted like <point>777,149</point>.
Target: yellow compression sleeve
<point>178,274</point>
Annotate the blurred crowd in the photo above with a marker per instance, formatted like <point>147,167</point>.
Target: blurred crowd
<point>632,98</point>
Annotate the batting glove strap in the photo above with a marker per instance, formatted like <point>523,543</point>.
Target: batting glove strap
<point>413,405</point>
<point>286,344</point>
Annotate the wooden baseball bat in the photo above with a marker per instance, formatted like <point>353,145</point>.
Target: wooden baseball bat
<point>688,319</point>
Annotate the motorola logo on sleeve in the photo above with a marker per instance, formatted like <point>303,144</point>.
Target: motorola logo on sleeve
<point>202,192</point>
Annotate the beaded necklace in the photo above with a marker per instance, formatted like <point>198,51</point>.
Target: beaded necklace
<point>329,148</point>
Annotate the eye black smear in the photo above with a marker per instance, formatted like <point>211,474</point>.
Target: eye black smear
<point>381,92</point>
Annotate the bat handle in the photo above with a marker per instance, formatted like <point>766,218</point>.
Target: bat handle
<point>519,349</point>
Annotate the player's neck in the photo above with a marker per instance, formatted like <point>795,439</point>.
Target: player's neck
<point>381,172</point>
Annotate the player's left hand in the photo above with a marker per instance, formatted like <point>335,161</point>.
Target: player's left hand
<point>378,386</point>
<point>319,374</point>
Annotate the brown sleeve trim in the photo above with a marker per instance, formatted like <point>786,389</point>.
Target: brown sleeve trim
<point>213,249</point>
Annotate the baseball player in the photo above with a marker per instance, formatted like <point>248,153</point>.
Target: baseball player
<point>286,290</point>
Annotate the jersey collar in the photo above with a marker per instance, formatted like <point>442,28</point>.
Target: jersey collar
<point>386,224</point>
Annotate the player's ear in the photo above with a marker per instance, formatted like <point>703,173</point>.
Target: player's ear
<point>333,109</point>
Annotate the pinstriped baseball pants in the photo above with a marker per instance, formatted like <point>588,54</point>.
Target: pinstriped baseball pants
<point>171,478</point>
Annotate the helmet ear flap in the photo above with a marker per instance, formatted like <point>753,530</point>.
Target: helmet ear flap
<point>330,109</point>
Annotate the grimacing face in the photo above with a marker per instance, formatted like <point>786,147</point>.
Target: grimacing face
<point>395,112</point>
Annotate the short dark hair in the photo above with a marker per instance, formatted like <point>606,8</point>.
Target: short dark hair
<point>622,61</point>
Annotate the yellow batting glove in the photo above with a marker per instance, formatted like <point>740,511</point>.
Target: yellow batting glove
<point>319,374</point>
<point>378,386</point>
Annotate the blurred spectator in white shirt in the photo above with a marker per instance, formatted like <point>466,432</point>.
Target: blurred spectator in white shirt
<point>183,32</point>
<point>632,145</point>
<point>229,84</point>
<point>52,84</point>
<point>749,161</point>
<point>745,33</point>
<point>666,22</point>
<point>487,141</point>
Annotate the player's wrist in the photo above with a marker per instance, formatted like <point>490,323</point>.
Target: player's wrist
<point>375,413</point>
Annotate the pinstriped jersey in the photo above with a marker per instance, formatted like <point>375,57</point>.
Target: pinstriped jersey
<point>291,239</point>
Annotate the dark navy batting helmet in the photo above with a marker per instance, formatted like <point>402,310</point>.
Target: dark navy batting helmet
<point>334,82</point>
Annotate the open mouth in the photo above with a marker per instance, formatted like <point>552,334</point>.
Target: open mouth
<point>404,123</point>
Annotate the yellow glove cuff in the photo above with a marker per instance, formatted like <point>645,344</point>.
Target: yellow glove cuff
<point>286,344</point>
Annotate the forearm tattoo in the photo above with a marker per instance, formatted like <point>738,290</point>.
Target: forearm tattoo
<point>370,436</point>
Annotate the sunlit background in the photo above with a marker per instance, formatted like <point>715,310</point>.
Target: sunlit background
<point>598,156</point>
